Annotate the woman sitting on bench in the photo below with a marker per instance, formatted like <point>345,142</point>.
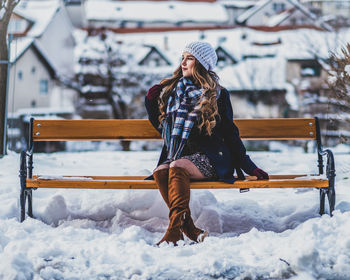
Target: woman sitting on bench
<point>194,115</point>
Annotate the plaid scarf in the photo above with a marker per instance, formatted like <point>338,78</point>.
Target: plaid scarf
<point>180,117</point>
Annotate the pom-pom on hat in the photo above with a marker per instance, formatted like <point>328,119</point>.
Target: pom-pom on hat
<point>204,53</point>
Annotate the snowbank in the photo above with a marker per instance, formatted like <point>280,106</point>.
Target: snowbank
<point>102,234</point>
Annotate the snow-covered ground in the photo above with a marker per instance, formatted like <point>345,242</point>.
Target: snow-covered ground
<point>91,234</point>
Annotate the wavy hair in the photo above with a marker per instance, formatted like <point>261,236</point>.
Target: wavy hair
<point>207,109</point>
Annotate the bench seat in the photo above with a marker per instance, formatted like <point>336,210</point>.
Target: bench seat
<point>138,182</point>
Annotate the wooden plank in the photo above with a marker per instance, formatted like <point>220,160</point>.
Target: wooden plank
<point>65,130</point>
<point>290,176</point>
<point>250,129</point>
<point>150,184</point>
<point>276,129</point>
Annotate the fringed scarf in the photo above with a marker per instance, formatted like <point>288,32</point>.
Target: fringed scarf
<point>180,116</point>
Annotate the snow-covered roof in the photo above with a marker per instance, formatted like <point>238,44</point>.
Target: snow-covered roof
<point>240,42</point>
<point>20,45</point>
<point>242,4</point>
<point>39,12</point>
<point>153,49</point>
<point>252,11</point>
<point>266,55</point>
<point>311,15</point>
<point>149,11</point>
<point>277,19</point>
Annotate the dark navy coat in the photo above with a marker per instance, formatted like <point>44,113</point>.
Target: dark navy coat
<point>223,147</point>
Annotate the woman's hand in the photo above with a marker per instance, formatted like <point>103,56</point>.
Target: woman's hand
<point>260,174</point>
<point>154,92</point>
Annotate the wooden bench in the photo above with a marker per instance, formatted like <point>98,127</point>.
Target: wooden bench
<point>98,130</point>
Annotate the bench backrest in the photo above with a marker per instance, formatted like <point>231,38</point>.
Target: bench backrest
<point>250,129</point>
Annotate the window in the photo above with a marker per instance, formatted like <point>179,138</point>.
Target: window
<point>16,26</point>
<point>33,69</point>
<point>44,87</point>
<point>278,7</point>
<point>20,75</point>
<point>157,61</point>
<point>310,70</point>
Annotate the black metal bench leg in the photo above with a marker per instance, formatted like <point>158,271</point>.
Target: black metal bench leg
<point>331,179</point>
<point>30,203</point>
<point>23,177</point>
<point>23,205</point>
<point>331,194</point>
<point>330,191</point>
<point>322,200</point>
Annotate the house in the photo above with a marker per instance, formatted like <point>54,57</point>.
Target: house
<point>340,8</point>
<point>76,12</point>
<point>257,87</point>
<point>42,53</point>
<point>32,75</point>
<point>224,58</point>
<point>280,14</point>
<point>47,21</point>
<point>131,16</point>
<point>154,58</point>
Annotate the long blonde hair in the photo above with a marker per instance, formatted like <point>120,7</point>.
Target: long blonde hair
<point>207,109</point>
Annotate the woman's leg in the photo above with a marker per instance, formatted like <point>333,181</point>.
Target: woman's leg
<point>189,166</point>
<point>162,166</point>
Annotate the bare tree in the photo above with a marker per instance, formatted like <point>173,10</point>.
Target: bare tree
<point>6,9</point>
<point>339,84</point>
<point>323,95</point>
<point>99,80</point>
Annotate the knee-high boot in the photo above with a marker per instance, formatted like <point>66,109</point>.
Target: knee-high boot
<point>161,177</point>
<point>179,214</point>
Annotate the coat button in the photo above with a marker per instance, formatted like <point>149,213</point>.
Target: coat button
<point>220,153</point>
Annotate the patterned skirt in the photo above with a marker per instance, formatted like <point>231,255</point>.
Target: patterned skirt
<point>201,161</point>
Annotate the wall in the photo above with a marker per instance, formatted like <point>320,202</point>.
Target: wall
<point>26,91</point>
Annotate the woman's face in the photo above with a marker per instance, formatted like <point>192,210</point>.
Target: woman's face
<point>187,64</point>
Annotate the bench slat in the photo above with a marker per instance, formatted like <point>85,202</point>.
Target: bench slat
<point>250,129</point>
<point>150,184</point>
<point>42,177</point>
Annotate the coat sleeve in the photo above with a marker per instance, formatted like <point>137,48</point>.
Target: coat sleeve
<point>153,112</point>
<point>231,134</point>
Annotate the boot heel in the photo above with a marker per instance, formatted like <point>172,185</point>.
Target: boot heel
<point>202,236</point>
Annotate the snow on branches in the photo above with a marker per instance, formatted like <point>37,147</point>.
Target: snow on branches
<point>339,79</point>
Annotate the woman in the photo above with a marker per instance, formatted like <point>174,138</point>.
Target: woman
<point>194,114</point>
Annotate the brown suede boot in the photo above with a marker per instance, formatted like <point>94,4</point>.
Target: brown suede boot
<point>191,231</point>
<point>161,177</point>
<point>173,233</point>
<point>187,226</point>
<point>179,198</point>
<point>178,203</point>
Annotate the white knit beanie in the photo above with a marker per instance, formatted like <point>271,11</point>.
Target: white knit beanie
<point>204,53</point>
